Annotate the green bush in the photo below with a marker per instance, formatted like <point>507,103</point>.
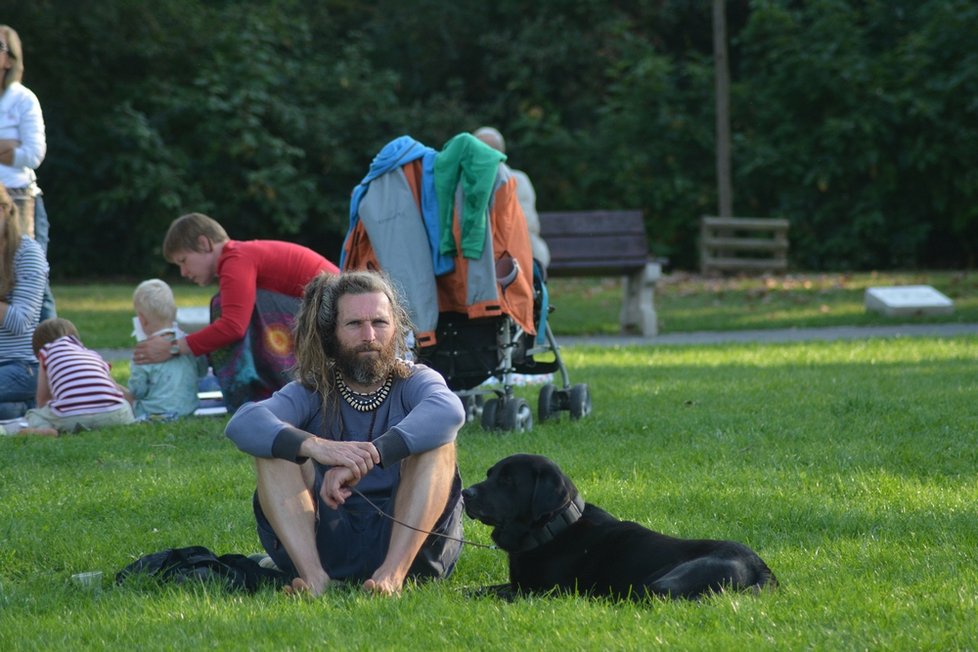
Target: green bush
<point>854,120</point>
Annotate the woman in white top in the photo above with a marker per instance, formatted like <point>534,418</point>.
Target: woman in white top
<point>22,147</point>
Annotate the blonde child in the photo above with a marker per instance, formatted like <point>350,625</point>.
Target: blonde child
<point>168,389</point>
<point>74,388</point>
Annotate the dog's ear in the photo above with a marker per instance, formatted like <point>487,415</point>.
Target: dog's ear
<point>551,491</point>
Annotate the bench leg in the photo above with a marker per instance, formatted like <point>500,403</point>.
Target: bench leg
<point>638,304</point>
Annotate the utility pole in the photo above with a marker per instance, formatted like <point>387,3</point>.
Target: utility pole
<point>722,73</point>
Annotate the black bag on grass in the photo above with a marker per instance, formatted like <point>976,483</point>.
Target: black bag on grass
<point>197,563</point>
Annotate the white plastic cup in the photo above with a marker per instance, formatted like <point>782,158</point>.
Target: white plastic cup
<point>90,581</point>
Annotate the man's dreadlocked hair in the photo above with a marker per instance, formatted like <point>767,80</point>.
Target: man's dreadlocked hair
<point>316,345</point>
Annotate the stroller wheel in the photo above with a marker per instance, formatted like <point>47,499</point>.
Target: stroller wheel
<point>580,401</point>
<point>489,414</point>
<point>516,415</point>
<point>548,407</point>
<point>473,408</point>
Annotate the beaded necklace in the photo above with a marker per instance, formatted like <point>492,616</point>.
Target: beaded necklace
<point>363,402</point>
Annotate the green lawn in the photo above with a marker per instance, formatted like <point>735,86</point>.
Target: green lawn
<point>692,303</point>
<point>848,466</point>
<point>103,312</point>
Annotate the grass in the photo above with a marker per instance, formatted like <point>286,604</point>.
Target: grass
<point>849,466</point>
<point>692,303</point>
<point>103,312</point>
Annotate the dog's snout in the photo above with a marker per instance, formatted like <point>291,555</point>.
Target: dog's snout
<point>468,493</point>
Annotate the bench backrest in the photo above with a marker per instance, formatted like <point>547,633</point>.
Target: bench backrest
<point>594,243</point>
<point>743,244</point>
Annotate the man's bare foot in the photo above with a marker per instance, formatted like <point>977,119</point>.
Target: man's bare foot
<point>302,589</point>
<point>386,586</point>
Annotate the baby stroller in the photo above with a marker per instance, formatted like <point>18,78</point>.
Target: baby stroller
<point>447,229</point>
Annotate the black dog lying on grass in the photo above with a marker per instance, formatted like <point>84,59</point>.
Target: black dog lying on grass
<point>557,541</point>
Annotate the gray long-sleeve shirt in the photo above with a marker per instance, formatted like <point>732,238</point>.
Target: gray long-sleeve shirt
<point>419,415</point>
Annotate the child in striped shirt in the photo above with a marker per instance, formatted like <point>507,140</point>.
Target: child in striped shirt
<point>74,388</point>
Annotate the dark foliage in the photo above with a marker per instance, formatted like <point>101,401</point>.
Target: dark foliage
<point>855,120</point>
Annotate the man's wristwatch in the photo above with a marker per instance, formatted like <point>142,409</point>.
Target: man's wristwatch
<point>174,349</point>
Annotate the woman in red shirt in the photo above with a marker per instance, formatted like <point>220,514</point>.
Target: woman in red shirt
<point>246,272</point>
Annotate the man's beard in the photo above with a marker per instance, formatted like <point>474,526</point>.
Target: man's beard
<point>366,370</point>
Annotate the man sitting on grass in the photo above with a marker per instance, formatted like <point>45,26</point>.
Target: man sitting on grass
<point>360,427</point>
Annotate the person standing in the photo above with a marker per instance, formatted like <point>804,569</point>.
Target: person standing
<point>22,148</point>
<point>359,417</point>
<point>23,275</point>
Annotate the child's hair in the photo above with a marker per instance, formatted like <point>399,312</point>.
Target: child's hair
<point>154,299</point>
<point>51,329</point>
<point>185,231</point>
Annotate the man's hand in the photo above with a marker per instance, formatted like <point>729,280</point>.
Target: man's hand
<point>358,457</point>
<point>336,486</point>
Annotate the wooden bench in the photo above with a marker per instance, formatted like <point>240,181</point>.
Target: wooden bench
<point>743,244</point>
<point>606,243</point>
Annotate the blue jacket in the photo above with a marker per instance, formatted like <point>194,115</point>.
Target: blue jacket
<point>396,153</point>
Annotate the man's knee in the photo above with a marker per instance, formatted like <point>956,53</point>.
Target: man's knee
<point>430,473</point>
<point>275,471</point>
<point>436,461</point>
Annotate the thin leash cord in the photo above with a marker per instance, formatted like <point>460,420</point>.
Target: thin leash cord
<point>411,527</point>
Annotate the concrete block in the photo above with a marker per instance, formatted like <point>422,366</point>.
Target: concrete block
<point>908,300</point>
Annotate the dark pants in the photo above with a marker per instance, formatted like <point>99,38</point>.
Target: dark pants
<point>353,539</point>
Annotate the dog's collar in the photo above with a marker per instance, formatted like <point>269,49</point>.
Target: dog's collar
<point>560,522</point>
